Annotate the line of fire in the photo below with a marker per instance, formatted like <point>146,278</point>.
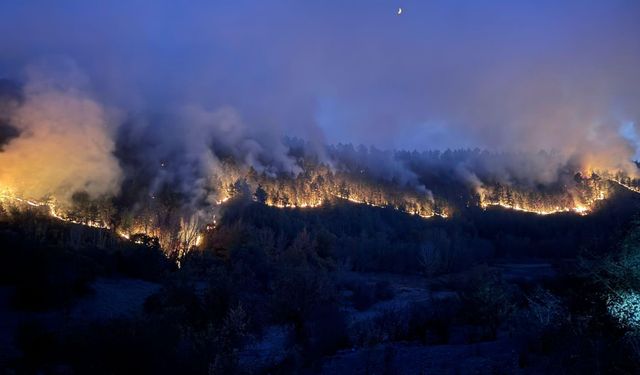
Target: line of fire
<point>157,222</point>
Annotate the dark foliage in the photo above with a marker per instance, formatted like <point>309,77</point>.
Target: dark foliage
<point>265,269</point>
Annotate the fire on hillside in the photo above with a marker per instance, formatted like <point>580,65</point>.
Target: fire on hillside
<point>178,236</point>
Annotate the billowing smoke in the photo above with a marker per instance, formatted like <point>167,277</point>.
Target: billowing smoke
<point>381,165</point>
<point>63,140</point>
<point>212,83</point>
<point>197,152</point>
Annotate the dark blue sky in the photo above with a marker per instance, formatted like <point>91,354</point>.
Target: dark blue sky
<point>497,74</point>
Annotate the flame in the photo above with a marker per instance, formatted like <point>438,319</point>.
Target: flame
<point>303,205</point>
<point>357,200</point>
<point>383,204</point>
<point>55,212</point>
<point>199,239</point>
<point>52,210</point>
<point>579,209</point>
<point>626,186</point>
<point>223,200</point>
<point>580,200</point>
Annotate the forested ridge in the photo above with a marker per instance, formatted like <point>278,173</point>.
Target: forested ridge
<point>287,290</point>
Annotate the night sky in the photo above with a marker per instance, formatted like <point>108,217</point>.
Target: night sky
<point>498,74</point>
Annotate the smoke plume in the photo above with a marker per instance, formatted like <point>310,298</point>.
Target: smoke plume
<point>64,143</point>
<point>209,82</point>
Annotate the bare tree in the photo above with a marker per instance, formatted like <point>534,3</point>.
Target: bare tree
<point>188,234</point>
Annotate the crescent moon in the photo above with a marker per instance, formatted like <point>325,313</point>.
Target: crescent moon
<point>399,11</point>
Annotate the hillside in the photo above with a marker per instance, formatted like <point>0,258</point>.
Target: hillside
<point>314,289</point>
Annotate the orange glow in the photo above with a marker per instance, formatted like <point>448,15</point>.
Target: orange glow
<point>357,200</point>
<point>580,200</point>
<point>579,209</point>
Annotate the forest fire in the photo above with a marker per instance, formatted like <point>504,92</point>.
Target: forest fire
<point>51,209</point>
<point>181,233</point>
<point>314,204</point>
<point>319,203</point>
<point>411,208</point>
<point>579,199</point>
<point>579,209</point>
<point>188,235</point>
<point>319,185</point>
<point>626,184</point>
<point>312,200</point>
<point>259,187</point>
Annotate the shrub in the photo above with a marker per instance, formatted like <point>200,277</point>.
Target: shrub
<point>383,290</point>
<point>364,296</point>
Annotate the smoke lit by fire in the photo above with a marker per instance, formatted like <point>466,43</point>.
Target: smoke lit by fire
<point>82,162</point>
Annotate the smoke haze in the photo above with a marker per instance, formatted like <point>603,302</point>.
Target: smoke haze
<point>202,82</point>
